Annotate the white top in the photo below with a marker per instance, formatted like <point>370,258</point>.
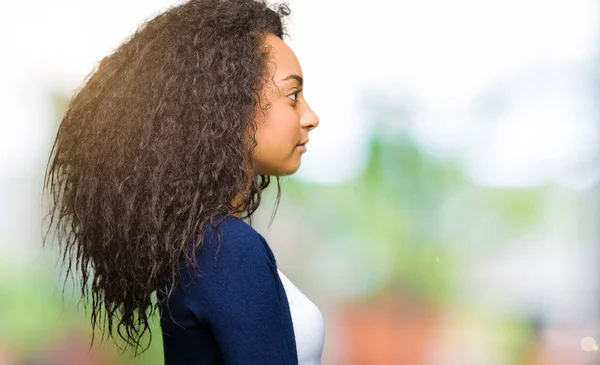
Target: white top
<point>309,325</point>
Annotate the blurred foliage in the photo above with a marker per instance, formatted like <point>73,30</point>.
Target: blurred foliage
<point>27,317</point>
<point>407,211</point>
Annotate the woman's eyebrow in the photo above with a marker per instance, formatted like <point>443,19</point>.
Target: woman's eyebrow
<point>295,77</point>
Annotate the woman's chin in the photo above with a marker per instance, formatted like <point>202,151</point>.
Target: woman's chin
<point>287,167</point>
<point>289,170</point>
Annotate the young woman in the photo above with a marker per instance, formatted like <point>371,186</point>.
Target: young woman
<point>160,158</point>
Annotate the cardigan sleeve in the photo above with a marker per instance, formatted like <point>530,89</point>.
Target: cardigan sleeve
<point>238,296</point>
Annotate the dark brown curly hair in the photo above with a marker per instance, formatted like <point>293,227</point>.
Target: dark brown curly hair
<point>155,145</point>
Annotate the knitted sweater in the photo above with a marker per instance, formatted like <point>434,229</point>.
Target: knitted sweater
<point>236,312</point>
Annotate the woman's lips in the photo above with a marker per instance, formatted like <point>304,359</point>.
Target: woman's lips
<point>302,146</point>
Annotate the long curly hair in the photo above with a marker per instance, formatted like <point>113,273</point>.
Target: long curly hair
<point>154,146</point>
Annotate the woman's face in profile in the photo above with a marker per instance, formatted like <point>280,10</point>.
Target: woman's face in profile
<point>286,123</point>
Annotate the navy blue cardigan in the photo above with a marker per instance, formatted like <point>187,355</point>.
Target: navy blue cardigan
<point>236,312</point>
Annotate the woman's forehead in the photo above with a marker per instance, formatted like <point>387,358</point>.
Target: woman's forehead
<point>283,58</point>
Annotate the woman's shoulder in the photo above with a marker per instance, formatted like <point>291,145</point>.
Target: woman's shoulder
<point>237,239</point>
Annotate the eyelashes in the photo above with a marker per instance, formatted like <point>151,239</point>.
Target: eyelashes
<point>295,94</point>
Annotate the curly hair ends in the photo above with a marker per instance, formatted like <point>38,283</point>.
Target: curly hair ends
<point>153,148</point>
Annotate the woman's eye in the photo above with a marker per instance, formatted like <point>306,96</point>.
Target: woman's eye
<point>295,94</point>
